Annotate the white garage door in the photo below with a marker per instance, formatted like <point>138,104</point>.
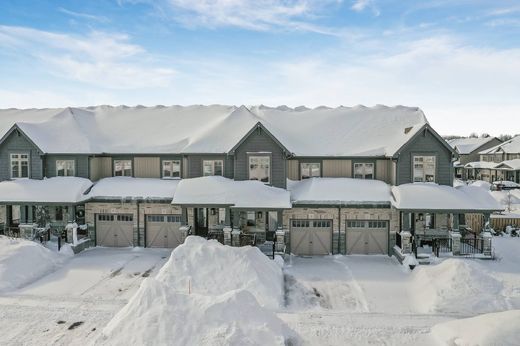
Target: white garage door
<point>367,237</point>
<point>311,237</point>
<point>115,230</point>
<point>163,231</point>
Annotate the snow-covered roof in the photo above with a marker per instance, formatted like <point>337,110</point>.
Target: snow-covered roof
<point>511,146</point>
<point>222,191</point>
<point>339,191</point>
<point>133,188</point>
<point>513,165</point>
<point>430,196</point>
<point>481,165</point>
<point>341,131</point>
<point>66,190</point>
<point>468,145</point>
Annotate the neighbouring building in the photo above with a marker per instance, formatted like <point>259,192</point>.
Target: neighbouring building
<point>325,180</point>
<point>468,150</point>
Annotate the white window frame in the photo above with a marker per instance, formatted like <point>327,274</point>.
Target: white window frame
<point>211,164</point>
<point>122,164</point>
<point>171,174</point>
<point>364,170</point>
<point>66,169</point>
<point>420,172</point>
<point>260,157</point>
<point>308,168</point>
<point>16,158</point>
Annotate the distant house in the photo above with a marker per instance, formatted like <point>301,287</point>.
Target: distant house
<point>324,180</point>
<point>469,150</point>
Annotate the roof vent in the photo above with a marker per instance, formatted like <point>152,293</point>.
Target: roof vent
<point>408,129</point>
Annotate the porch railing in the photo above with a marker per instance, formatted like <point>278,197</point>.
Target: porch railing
<point>441,245</point>
<point>471,246</point>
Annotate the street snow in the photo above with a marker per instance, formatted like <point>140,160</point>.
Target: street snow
<point>208,294</point>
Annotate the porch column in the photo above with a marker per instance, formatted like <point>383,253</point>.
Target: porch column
<point>184,215</point>
<point>227,218</point>
<point>487,221</point>
<point>455,243</point>
<point>30,216</point>
<point>487,243</point>
<point>279,219</point>
<point>456,222</point>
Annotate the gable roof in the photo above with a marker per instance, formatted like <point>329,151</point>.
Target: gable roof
<point>322,131</point>
<point>14,128</point>
<point>466,146</point>
<point>513,165</point>
<point>511,146</point>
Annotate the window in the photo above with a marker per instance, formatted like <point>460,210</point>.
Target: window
<point>364,170</point>
<point>212,167</point>
<point>122,168</point>
<point>65,168</point>
<point>19,166</point>
<point>310,170</point>
<point>61,213</point>
<point>259,168</point>
<point>424,168</point>
<point>171,169</point>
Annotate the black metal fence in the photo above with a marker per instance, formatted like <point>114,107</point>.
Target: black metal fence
<point>441,245</point>
<point>471,246</point>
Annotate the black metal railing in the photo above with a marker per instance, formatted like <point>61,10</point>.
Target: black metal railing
<point>471,246</point>
<point>441,245</point>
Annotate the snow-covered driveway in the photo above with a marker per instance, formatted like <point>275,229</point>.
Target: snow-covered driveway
<point>358,300</point>
<point>89,289</point>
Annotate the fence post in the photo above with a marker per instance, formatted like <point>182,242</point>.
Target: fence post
<point>486,246</point>
<point>455,242</point>
<point>59,242</point>
<point>406,244</point>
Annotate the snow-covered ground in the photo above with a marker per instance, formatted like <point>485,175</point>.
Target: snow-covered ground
<point>331,300</point>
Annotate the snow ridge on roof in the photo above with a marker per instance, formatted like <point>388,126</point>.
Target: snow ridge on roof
<point>511,146</point>
<point>468,145</point>
<point>341,131</point>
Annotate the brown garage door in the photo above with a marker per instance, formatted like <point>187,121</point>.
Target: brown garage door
<point>163,231</point>
<point>367,237</point>
<point>311,237</point>
<point>116,230</point>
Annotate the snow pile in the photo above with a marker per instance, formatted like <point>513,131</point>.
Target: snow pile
<point>501,328</point>
<point>481,183</point>
<point>456,285</point>
<point>206,294</point>
<point>23,261</point>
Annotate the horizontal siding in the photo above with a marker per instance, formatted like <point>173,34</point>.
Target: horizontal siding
<point>80,161</point>
<point>18,143</point>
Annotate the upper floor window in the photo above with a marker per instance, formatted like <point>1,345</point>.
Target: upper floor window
<point>364,170</point>
<point>171,168</point>
<point>212,167</point>
<point>424,168</point>
<point>260,168</point>
<point>122,168</point>
<point>19,166</point>
<point>310,170</point>
<point>65,168</point>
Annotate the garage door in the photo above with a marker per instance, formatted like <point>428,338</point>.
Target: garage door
<point>311,237</point>
<point>367,237</point>
<point>163,231</point>
<point>115,230</point>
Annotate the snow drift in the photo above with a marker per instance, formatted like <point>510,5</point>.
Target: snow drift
<point>23,261</point>
<point>206,294</point>
<point>455,285</point>
<point>501,328</point>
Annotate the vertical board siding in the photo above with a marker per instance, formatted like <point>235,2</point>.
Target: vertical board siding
<point>18,143</point>
<point>80,161</point>
<point>293,169</point>
<point>337,168</point>
<point>383,170</point>
<point>260,141</point>
<point>425,143</point>
<point>100,167</point>
<point>147,167</point>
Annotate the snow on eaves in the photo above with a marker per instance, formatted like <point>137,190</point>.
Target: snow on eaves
<point>468,145</point>
<point>511,146</point>
<point>215,190</point>
<point>64,190</point>
<point>339,191</point>
<point>133,188</point>
<point>341,131</point>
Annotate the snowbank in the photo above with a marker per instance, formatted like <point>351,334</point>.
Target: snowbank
<point>456,285</point>
<point>214,269</point>
<point>206,294</point>
<point>481,183</point>
<point>23,261</point>
<point>501,328</point>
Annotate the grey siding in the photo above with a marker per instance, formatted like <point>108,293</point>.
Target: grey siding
<point>260,141</point>
<point>475,156</point>
<point>16,142</point>
<point>195,164</point>
<point>81,162</point>
<point>425,143</point>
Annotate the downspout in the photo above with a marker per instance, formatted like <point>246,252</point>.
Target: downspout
<point>138,228</point>
<point>339,229</point>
